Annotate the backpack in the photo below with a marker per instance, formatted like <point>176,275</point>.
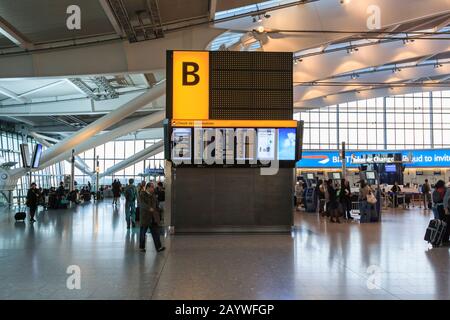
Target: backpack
<point>129,194</point>
<point>161,195</point>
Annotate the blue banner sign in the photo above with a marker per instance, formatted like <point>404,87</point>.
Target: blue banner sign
<point>420,158</point>
<point>154,172</point>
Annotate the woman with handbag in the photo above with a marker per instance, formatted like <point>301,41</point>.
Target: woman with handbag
<point>367,202</point>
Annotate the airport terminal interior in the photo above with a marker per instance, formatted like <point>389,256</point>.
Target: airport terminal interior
<point>225,149</point>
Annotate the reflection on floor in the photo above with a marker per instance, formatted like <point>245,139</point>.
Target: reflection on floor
<point>318,261</point>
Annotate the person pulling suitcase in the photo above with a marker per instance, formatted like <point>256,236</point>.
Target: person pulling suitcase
<point>33,201</point>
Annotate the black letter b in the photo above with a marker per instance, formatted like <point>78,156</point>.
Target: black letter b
<point>193,73</point>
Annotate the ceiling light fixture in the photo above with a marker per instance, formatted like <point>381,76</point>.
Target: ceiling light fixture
<point>260,29</point>
<point>297,60</point>
<point>352,49</point>
<point>408,40</point>
<point>438,65</point>
<point>396,69</point>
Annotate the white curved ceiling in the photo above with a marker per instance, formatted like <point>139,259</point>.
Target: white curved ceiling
<point>322,50</point>
<point>323,55</point>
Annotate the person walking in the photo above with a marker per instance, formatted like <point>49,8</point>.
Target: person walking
<point>332,204</point>
<point>149,218</point>
<point>140,187</point>
<point>32,200</point>
<point>438,196</point>
<point>426,192</point>
<point>320,191</point>
<point>345,198</point>
<point>395,191</point>
<point>298,195</point>
<point>161,197</point>
<point>116,186</point>
<point>130,204</point>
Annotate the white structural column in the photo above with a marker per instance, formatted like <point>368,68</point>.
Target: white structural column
<point>103,123</point>
<point>140,156</point>
<point>108,136</point>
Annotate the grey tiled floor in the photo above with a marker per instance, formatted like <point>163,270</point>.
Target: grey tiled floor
<point>318,261</point>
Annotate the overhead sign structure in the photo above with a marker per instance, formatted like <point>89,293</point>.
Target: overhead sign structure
<point>218,103</point>
<point>410,158</point>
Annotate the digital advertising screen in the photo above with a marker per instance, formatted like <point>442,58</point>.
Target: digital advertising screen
<point>266,144</point>
<point>287,143</point>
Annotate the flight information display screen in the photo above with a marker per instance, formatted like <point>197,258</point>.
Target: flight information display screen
<point>181,144</point>
<point>233,146</point>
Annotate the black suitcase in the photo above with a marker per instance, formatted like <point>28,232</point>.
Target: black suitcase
<point>435,232</point>
<point>20,216</point>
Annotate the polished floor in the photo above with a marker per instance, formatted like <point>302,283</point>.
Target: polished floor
<point>318,261</point>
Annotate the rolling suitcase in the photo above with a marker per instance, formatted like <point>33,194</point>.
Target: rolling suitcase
<point>20,216</point>
<point>435,232</point>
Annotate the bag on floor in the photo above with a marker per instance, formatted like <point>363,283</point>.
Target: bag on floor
<point>435,232</point>
<point>20,216</point>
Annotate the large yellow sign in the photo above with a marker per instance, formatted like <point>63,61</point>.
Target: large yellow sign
<point>191,85</point>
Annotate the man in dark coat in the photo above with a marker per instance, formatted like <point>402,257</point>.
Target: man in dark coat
<point>149,217</point>
<point>33,200</point>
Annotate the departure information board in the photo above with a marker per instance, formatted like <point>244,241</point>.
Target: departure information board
<point>234,146</point>
<point>231,108</point>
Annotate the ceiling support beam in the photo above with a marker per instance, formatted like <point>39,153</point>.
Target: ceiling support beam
<point>212,9</point>
<point>13,95</point>
<point>80,141</point>
<point>106,137</point>
<point>83,88</point>
<point>79,106</point>
<point>13,35</point>
<point>121,15</point>
<point>30,123</point>
<point>112,17</point>
<point>155,17</point>
<point>104,123</point>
